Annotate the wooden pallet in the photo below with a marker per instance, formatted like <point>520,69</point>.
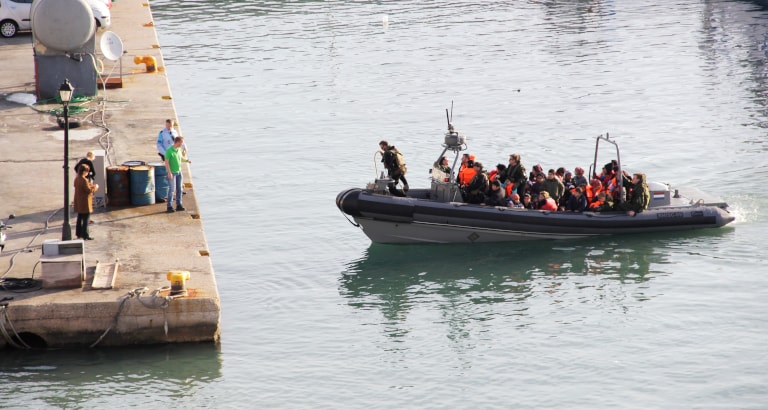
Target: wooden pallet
<point>105,275</point>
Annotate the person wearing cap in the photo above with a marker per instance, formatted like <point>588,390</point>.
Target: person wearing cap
<point>578,178</point>
<point>474,192</point>
<point>165,139</point>
<point>514,201</point>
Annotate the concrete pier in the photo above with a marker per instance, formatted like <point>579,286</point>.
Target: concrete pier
<point>134,247</point>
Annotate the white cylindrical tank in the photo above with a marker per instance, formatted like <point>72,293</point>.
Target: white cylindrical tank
<point>64,25</point>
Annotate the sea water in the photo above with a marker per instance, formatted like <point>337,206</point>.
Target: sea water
<point>283,105</point>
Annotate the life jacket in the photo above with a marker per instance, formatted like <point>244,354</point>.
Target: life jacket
<point>592,192</point>
<point>549,205</point>
<point>596,205</point>
<point>509,187</point>
<point>393,160</point>
<point>466,174</point>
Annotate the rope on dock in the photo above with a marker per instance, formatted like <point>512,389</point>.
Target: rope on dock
<point>165,301</point>
<point>4,318</point>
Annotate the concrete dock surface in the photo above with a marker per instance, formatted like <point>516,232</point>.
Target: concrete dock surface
<point>144,242</point>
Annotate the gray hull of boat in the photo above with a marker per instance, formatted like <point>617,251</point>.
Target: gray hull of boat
<point>387,219</point>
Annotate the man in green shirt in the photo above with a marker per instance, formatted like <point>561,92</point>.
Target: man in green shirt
<point>173,169</point>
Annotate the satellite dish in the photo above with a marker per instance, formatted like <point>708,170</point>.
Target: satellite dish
<point>111,46</point>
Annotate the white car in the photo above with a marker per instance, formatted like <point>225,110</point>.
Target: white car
<point>14,15</point>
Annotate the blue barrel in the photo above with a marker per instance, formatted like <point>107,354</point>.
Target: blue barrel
<point>142,185</point>
<point>161,180</point>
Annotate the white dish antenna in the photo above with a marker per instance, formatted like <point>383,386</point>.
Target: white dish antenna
<point>111,46</point>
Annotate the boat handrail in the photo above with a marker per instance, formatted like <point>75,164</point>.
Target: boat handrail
<point>619,175</point>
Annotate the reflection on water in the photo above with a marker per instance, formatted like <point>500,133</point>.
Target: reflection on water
<point>485,281</point>
<point>90,378</point>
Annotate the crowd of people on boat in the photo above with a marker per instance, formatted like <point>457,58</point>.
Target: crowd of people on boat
<point>510,186</point>
<point>556,190</point>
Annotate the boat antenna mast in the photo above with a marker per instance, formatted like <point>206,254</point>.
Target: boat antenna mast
<point>453,141</point>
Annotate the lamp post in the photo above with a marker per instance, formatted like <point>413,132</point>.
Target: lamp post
<point>65,92</point>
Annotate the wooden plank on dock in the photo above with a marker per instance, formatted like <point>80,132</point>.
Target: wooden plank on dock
<point>105,275</point>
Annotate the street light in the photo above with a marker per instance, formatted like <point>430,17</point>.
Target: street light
<point>65,93</point>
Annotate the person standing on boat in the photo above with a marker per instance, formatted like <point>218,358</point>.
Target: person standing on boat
<point>395,165</point>
<point>515,174</point>
<point>639,195</point>
<point>475,191</point>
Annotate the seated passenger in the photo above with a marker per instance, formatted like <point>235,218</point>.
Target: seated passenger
<point>602,203</point>
<point>474,192</point>
<point>466,170</point>
<point>442,165</point>
<point>495,196</point>
<point>577,202</point>
<point>537,169</point>
<point>494,174</point>
<point>514,201</point>
<point>568,179</point>
<point>546,203</point>
<point>537,186</point>
<point>528,202</point>
<point>593,189</point>
<point>579,179</point>
<point>553,186</point>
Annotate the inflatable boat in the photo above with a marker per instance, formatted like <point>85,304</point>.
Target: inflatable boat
<point>438,214</point>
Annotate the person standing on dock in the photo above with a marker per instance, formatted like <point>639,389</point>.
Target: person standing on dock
<point>165,139</point>
<point>88,160</point>
<point>83,201</point>
<point>173,160</point>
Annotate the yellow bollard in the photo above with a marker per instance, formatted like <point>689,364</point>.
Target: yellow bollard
<point>178,280</point>
<point>149,61</point>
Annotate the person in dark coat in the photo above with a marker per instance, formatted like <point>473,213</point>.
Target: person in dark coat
<point>83,202</point>
<point>496,195</point>
<point>577,202</point>
<point>395,165</point>
<point>639,195</point>
<point>88,160</point>
<point>474,193</point>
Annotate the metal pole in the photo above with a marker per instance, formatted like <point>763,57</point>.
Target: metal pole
<point>66,229</point>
